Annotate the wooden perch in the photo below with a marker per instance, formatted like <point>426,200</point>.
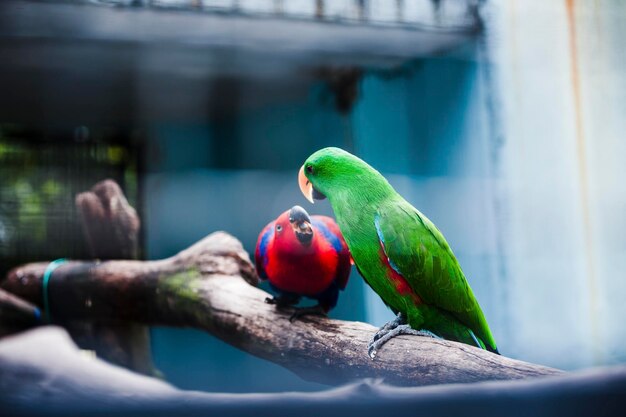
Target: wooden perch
<point>59,381</point>
<point>111,228</point>
<point>205,287</point>
<point>110,224</point>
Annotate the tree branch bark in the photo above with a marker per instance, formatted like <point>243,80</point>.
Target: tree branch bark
<point>205,287</point>
<point>111,228</point>
<point>58,381</point>
<point>110,223</point>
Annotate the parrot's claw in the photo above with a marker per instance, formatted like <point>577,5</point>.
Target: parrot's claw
<point>376,343</point>
<point>389,326</point>
<point>282,301</point>
<point>307,311</point>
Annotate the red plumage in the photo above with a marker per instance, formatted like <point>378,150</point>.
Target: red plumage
<point>297,264</point>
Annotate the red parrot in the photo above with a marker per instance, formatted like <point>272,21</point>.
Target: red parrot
<point>303,256</point>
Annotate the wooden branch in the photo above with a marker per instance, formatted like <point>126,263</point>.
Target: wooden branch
<point>44,374</point>
<point>110,224</point>
<point>111,228</point>
<point>204,287</point>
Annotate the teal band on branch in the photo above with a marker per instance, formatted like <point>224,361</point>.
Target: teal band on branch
<point>46,279</point>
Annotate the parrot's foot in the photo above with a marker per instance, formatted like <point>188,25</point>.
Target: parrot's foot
<point>317,310</point>
<point>389,326</point>
<point>375,344</point>
<point>283,300</point>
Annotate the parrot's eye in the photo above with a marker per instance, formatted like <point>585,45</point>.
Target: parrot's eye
<point>279,228</point>
<point>309,169</point>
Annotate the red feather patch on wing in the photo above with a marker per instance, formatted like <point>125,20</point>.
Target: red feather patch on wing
<point>399,282</point>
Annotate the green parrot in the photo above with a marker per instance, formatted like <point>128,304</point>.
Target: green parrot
<point>398,251</point>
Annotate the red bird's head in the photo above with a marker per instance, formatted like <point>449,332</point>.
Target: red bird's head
<point>293,228</point>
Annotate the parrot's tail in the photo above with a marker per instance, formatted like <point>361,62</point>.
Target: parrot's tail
<point>493,350</point>
<point>483,345</point>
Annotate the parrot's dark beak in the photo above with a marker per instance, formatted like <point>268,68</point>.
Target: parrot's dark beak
<point>310,193</point>
<point>301,224</point>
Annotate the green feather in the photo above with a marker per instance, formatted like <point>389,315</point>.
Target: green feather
<point>370,213</point>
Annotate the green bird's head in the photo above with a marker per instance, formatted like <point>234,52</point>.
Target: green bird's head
<point>340,176</point>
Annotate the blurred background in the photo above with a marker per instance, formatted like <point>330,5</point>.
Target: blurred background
<point>501,120</point>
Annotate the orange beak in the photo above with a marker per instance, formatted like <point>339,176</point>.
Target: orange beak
<point>305,185</point>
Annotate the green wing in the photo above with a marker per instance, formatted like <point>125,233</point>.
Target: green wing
<point>420,253</point>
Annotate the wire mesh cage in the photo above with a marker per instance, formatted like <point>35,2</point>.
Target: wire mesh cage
<point>40,174</point>
<point>397,13</point>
